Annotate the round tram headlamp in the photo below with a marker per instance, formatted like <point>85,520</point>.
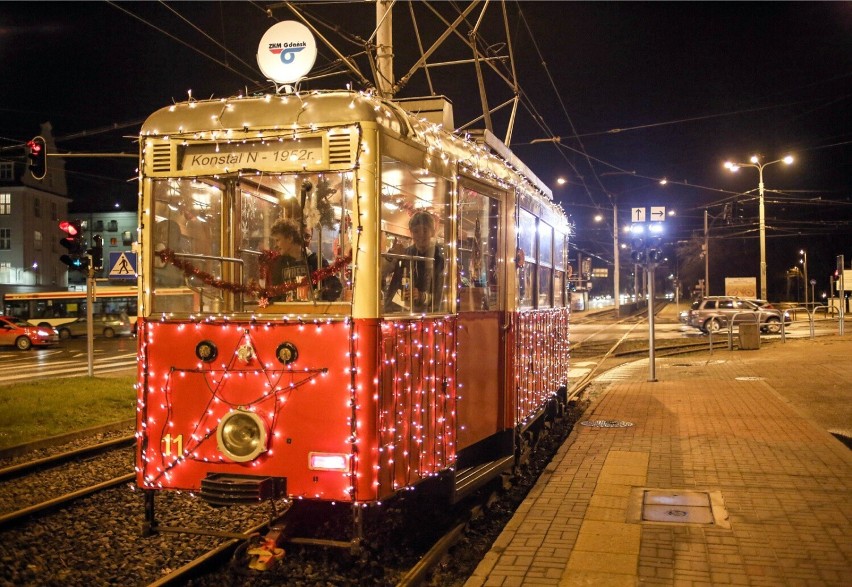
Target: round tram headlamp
<point>206,351</point>
<point>286,353</point>
<point>241,435</point>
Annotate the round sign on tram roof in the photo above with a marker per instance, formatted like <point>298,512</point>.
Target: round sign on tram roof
<point>286,52</point>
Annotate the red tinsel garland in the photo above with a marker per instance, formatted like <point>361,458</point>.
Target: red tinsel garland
<point>253,287</point>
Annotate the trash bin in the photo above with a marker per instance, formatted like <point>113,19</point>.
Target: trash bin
<point>749,337</point>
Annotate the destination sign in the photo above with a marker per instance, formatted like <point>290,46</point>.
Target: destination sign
<point>270,154</point>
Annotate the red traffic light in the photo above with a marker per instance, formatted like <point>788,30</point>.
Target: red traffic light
<point>37,157</point>
<point>72,227</point>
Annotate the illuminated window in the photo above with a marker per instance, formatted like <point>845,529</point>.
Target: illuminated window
<point>525,259</point>
<point>192,220</point>
<point>560,255</point>
<point>477,251</point>
<point>545,265</point>
<point>415,233</point>
<point>5,203</point>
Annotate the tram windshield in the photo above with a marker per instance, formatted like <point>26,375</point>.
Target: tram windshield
<point>221,236</point>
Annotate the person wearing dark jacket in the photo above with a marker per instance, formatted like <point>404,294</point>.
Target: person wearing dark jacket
<point>423,265</point>
<point>295,264</point>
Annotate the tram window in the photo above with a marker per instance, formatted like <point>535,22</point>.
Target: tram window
<point>187,226</point>
<point>545,295</point>
<point>545,264</point>
<point>526,259</point>
<point>324,219</point>
<point>477,251</point>
<point>559,288</point>
<point>559,261</point>
<point>415,231</point>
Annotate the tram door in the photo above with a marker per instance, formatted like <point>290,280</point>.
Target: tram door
<point>480,288</point>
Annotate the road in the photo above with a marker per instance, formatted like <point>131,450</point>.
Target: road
<point>670,329</point>
<point>67,359</point>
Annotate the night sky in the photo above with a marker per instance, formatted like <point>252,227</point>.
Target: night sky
<point>635,93</point>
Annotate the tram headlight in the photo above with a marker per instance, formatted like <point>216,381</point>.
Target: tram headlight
<point>286,353</point>
<point>206,351</point>
<point>241,435</point>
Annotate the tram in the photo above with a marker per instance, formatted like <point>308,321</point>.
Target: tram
<point>426,360</point>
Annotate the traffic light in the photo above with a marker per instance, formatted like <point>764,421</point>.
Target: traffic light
<point>97,252</point>
<point>76,258</point>
<point>655,249</point>
<point>638,252</point>
<point>37,157</point>
<point>646,243</point>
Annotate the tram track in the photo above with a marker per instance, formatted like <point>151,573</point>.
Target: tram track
<point>51,482</point>
<point>26,467</point>
<point>13,517</point>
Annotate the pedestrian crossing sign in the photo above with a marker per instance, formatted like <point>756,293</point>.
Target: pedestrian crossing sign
<point>122,265</point>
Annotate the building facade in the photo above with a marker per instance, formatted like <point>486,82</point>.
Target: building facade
<point>30,213</point>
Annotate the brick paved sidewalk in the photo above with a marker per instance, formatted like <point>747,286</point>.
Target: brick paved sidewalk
<point>729,444</point>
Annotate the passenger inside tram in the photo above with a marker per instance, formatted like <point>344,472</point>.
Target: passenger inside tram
<point>296,263</point>
<point>420,267</point>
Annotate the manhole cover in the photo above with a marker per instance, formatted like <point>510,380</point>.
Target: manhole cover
<point>677,506</point>
<point>749,378</point>
<point>607,423</point>
<point>689,515</point>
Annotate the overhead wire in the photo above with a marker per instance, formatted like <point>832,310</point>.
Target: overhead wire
<point>120,6</point>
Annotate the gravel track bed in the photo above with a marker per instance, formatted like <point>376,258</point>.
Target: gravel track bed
<point>97,540</point>
<point>53,482</point>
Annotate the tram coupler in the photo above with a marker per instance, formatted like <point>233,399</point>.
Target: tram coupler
<point>267,553</point>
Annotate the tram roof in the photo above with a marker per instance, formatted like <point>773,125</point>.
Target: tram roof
<point>265,113</point>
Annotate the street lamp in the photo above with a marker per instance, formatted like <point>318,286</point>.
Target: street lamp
<point>804,262</point>
<point>755,162</point>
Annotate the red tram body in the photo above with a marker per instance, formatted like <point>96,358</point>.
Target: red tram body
<point>249,390</point>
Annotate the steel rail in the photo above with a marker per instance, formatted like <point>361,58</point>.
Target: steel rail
<point>12,517</point>
<point>27,467</point>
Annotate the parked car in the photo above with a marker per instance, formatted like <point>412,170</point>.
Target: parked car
<point>24,335</point>
<point>108,325</point>
<point>712,313</point>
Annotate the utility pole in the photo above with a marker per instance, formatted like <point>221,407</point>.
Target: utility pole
<point>90,311</point>
<point>615,269</point>
<point>652,361</point>
<point>706,257</point>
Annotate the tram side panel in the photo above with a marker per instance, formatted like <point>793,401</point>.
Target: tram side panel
<point>540,360</point>
<point>482,432</point>
<point>417,403</point>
